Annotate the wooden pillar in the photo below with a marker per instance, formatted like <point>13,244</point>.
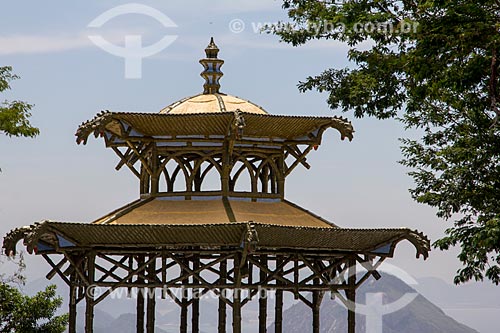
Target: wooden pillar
<point>155,178</point>
<point>184,304</point>
<point>262,294</point>
<point>281,176</point>
<point>222,304</point>
<point>351,296</point>
<point>89,295</point>
<point>278,308</point>
<point>237,295</point>
<point>195,307</point>
<point>151,306</point>
<point>144,180</point>
<point>316,302</point>
<point>72,304</point>
<point>140,300</point>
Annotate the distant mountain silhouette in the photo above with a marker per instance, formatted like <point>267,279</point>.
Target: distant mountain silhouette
<point>420,316</point>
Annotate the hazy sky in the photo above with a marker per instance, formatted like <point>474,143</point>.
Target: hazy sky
<point>69,79</point>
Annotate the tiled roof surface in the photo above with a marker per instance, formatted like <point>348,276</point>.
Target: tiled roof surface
<point>226,235</point>
<point>215,124</point>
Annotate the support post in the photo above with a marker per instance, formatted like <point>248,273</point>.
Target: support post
<point>222,304</point>
<point>184,304</point>
<point>278,309</point>
<point>140,300</point>
<point>151,305</point>
<point>155,178</point>
<point>351,296</point>
<point>195,307</point>
<point>237,295</point>
<point>72,304</point>
<point>281,176</point>
<point>316,302</point>
<point>89,297</point>
<point>262,294</point>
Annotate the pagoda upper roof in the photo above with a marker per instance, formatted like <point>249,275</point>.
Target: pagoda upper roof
<point>211,125</point>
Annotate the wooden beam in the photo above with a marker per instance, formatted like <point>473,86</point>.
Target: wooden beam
<point>278,308</point>
<point>299,159</point>
<point>195,307</point>
<point>316,305</point>
<point>151,305</point>
<point>262,299</point>
<point>72,304</point>
<point>222,304</point>
<point>184,302</point>
<point>125,160</point>
<point>140,299</point>
<point>89,297</point>
<point>237,295</point>
<point>56,269</point>
<point>351,296</point>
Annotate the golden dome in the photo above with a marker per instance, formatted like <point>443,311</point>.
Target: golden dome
<point>210,103</point>
<point>212,100</point>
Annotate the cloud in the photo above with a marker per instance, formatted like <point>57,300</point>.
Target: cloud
<point>37,44</point>
<point>29,44</point>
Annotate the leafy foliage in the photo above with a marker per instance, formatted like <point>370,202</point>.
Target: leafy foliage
<point>14,116</point>
<point>440,76</point>
<point>17,277</point>
<point>21,313</point>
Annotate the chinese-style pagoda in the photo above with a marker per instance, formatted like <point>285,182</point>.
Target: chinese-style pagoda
<point>241,236</point>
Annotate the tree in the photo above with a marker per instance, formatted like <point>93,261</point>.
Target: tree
<point>22,313</point>
<point>434,65</point>
<point>14,116</point>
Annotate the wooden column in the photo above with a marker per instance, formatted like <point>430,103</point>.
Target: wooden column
<point>72,304</point>
<point>195,307</point>
<point>263,298</point>
<point>151,306</point>
<point>226,164</point>
<point>140,300</point>
<point>155,179</point>
<point>184,305</point>
<point>281,176</point>
<point>316,302</point>
<point>278,308</point>
<point>89,294</point>
<point>222,304</point>
<point>237,295</point>
<point>351,296</point>
<point>144,180</point>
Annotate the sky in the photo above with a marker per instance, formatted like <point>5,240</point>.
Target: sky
<point>69,79</point>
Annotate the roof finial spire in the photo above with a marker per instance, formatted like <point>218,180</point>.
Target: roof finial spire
<point>212,72</point>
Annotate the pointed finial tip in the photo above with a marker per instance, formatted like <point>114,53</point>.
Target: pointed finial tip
<point>212,72</point>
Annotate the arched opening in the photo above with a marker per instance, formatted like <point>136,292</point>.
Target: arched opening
<point>209,176</point>
<point>172,176</point>
<point>241,177</point>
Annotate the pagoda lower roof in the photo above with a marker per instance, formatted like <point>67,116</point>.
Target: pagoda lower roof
<point>59,237</point>
<point>126,125</point>
<point>179,225</point>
